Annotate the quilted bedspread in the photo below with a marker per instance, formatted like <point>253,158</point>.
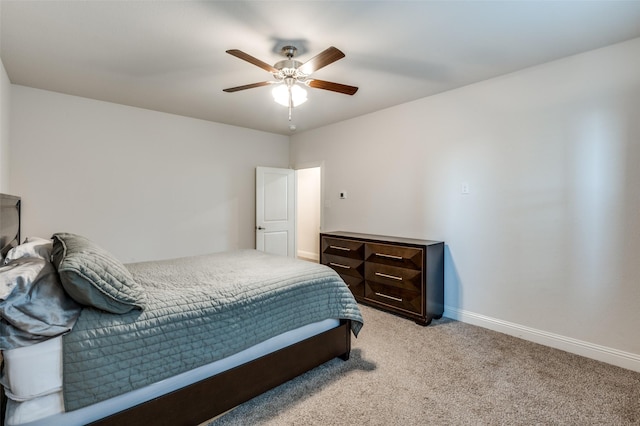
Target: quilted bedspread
<point>200,309</point>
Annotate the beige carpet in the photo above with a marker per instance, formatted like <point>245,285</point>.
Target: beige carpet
<point>448,373</point>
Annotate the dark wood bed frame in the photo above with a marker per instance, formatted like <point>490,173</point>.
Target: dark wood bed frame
<point>208,398</point>
<point>204,400</point>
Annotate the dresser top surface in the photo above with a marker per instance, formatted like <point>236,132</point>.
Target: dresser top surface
<point>380,238</point>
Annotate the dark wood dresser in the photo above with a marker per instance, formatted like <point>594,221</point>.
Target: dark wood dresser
<point>400,275</point>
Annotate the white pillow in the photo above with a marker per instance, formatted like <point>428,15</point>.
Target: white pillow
<point>32,247</point>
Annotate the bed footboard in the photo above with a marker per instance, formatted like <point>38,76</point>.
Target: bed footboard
<point>208,398</point>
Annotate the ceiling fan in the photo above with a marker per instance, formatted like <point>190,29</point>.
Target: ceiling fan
<point>291,74</point>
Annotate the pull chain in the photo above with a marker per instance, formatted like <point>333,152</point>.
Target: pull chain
<point>290,102</point>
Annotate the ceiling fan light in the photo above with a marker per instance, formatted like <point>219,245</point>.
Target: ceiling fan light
<point>281,94</point>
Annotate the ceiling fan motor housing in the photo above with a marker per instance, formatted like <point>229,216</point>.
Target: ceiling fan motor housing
<point>287,64</point>
<point>288,68</point>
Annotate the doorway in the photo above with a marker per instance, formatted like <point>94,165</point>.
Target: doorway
<point>308,213</point>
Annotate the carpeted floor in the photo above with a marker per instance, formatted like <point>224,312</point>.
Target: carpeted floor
<point>448,373</point>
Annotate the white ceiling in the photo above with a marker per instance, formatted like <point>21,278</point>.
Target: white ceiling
<point>170,55</point>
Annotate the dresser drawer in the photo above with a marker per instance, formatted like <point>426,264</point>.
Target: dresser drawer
<point>394,297</point>
<point>344,265</point>
<point>343,248</point>
<point>392,276</point>
<point>394,255</point>
<point>355,284</point>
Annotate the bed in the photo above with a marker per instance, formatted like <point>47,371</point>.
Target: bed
<point>175,342</point>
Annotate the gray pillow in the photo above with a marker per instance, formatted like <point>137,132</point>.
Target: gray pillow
<point>93,277</point>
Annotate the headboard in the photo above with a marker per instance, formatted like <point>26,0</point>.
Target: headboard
<point>9,223</point>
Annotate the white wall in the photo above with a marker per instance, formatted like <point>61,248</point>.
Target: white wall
<point>5,97</point>
<point>142,184</point>
<point>546,243</point>
<point>5,87</point>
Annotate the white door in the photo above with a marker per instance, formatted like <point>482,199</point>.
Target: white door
<point>275,211</point>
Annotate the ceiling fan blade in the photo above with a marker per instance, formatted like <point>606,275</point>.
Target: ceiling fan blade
<point>246,57</point>
<point>323,59</point>
<point>334,87</point>
<point>247,86</point>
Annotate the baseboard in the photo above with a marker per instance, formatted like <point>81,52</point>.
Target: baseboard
<point>308,255</point>
<point>612,356</point>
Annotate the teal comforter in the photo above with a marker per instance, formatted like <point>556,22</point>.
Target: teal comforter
<point>200,309</point>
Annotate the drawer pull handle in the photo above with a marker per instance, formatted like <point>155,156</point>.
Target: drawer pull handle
<point>340,248</point>
<point>390,256</point>
<point>340,265</point>
<point>393,277</point>
<point>397,299</point>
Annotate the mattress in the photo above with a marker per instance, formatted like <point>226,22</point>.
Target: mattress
<point>33,371</point>
<point>33,380</point>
